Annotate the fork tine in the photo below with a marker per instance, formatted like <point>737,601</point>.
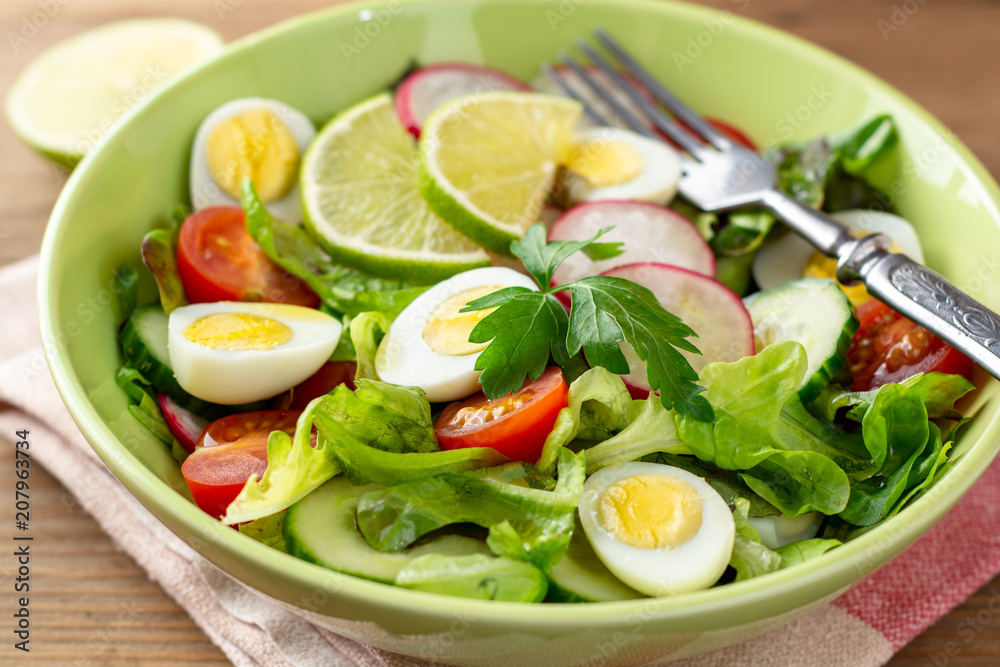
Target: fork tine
<point>669,126</point>
<point>662,95</point>
<point>626,115</point>
<point>557,78</point>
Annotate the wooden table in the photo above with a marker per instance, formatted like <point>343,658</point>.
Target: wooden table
<point>92,605</point>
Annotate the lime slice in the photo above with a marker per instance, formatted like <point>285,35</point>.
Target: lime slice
<point>362,201</point>
<point>72,95</point>
<point>489,161</point>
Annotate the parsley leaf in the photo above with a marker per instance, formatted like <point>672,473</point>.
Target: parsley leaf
<point>526,327</point>
<point>542,258</point>
<point>607,310</point>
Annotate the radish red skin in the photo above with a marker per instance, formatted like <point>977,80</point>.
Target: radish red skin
<point>643,242</point>
<point>726,337</point>
<point>413,120</point>
<point>184,425</point>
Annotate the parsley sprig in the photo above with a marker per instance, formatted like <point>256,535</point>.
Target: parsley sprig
<point>528,327</point>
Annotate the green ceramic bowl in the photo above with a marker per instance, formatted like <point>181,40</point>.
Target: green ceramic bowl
<point>773,85</point>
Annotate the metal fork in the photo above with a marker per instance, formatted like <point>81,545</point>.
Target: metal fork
<point>720,175</point>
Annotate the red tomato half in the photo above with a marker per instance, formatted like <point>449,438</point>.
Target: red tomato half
<point>515,425</point>
<point>218,260</point>
<point>890,348</point>
<point>231,451</point>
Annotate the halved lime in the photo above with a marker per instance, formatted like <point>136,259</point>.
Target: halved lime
<point>488,161</point>
<point>71,96</point>
<point>362,202</point>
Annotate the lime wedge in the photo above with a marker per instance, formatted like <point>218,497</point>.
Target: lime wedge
<point>74,94</point>
<point>489,161</point>
<point>362,202</point>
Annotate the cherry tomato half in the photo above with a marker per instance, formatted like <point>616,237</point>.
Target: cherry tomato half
<point>890,348</point>
<point>322,382</point>
<point>515,425</point>
<point>218,260</point>
<point>231,451</point>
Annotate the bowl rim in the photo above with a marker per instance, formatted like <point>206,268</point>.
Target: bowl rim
<point>886,539</point>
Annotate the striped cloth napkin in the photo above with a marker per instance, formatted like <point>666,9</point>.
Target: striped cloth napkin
<point>862,628</point>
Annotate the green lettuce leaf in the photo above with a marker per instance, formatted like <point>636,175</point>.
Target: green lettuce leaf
<point>852,169</point>
<point>475,576</point>
<point>598,407</point>
<point>750,557</point>
<point>651,429</point>
<point>379,432</point>
<point>933,468</point>
<point>802,430</point>
<point>266,530</point>
<point>747,397</point>
<point>803,550</point>
<point>896,425</point>
<point>142,403</point>
<point>525,524</point>
<point>365,465</point>
<point>160,256</point>
<point>367,331</point>
<point>384,416</point>
<point>294,468</point>
<point>341,289</point>
<point>938,391</point>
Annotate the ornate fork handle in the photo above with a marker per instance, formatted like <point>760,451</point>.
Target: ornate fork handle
<point>925,297</point>
<point>907,287</point>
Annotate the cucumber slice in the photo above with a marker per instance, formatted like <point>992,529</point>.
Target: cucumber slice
<point>321,528</point>
<point>814,312</point>
<point>580,576</point>
<point>144,345</point>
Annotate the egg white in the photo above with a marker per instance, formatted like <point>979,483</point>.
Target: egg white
<point>693,565</point>
<point>404,357</point>
<point>786,258</point>
<point>231,377</point>
<point>656,182</point>
<point>205,192</point>
<point>778,530</point>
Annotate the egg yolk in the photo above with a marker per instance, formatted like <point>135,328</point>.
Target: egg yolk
<point>604,163</point>
<point>238,331</point>
<point>821,266</point>
<point>447,330</point>
<point>255,144</point>
<point>651,511</point>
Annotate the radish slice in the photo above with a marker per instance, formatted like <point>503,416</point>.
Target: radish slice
<point>184,425</point>
<point>715,312</point>
<point>426,89</point>
<point>651,233</point>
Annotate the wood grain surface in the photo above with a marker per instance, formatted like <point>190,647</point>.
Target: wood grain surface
<point>91,605</point>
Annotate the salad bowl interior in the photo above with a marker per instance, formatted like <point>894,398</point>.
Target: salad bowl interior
<point>774,86</point>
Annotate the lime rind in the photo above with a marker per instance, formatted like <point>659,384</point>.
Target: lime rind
<point>522,143</point>
<point>362,201</point>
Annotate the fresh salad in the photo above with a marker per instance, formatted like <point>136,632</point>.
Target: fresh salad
<point>460,340</point>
